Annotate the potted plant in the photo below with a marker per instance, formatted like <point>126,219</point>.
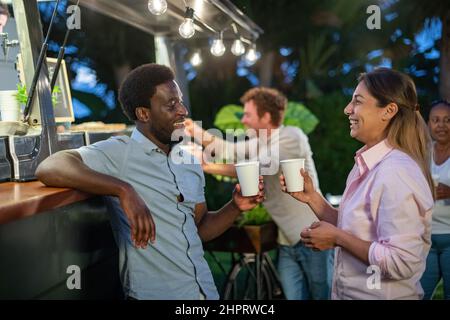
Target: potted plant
<point>22,95</point>
<point>253,232</point>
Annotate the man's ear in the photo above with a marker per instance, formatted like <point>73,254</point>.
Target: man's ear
<point>142,114</point>
<point>390,111</point>
<point>266,118</point>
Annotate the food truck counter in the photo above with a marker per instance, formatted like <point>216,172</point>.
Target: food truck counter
<point>20,200</point>
<point>55,243</point>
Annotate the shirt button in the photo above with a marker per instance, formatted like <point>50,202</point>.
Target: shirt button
<point>180,197</point>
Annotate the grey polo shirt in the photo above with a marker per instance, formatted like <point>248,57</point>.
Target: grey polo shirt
<point>174,266</point>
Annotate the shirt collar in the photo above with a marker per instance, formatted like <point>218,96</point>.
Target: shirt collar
<point>367,158</point>
<point>146,143</point>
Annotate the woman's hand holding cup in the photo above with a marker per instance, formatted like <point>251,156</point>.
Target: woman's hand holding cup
<point>304,196</point>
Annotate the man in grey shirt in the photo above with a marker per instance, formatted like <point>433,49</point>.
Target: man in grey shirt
<point>304,273</point>
<point>151,196</point>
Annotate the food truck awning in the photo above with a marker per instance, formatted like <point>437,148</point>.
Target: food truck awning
<point>210,16</point>
<point>40,138</point>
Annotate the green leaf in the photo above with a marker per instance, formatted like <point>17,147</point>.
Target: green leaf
<point>22,94</point>
<point>298,115</point>
<point>229,117</point>
<point>55,95</point>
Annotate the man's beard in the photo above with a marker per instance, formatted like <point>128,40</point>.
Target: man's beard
<point>164,137</point>
<point>160,135</point>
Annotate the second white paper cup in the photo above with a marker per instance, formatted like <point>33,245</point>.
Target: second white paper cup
<point>9,106</point>
<point>248,176</point>
<point>291,171</point>
<point>9,114</point>
<point>435,179</point>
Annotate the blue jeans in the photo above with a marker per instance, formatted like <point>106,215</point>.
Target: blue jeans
<point>438,266</point>
<point>304,273</point>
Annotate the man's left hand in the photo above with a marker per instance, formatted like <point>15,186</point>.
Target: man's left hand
<point>248,203</point>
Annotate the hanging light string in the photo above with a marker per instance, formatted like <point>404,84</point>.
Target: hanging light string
<point>157,7</point>
<point>187,30</point>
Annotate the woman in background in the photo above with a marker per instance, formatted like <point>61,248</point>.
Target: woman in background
<point>438,260</point>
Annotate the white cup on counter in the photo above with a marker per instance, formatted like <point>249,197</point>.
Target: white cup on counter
<point>9,106</point>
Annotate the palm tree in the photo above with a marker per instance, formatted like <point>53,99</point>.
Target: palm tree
<point>421,11</point>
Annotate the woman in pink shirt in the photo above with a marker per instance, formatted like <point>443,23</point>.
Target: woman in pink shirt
<point>381,230</point>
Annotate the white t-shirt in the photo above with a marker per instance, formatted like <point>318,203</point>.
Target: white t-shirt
<point>441,211</point>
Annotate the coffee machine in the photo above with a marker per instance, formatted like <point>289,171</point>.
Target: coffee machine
<point>35,137</point>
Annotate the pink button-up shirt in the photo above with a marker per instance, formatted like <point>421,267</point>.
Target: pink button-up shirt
<point>388,202</point>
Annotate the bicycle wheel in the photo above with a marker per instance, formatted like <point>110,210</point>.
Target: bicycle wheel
<point>242,280</point>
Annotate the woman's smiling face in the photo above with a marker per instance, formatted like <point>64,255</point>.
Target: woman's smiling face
<point>367,121</point>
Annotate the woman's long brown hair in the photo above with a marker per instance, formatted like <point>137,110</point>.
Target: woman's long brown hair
<point>407,130</point>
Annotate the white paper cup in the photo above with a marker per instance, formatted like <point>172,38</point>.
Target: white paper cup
<point>291,171</point>
<point>248,176</point>
<point>9,114</point>
<point>9,106</point>
<point>435,179</point>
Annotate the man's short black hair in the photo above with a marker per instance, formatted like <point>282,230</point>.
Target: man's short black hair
<point>140,85</point>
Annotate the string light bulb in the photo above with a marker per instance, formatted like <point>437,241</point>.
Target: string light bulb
<point>238,48</point>
<point>187,29</point>
<point>217,47</point>
<point>251,55</point>
<point>196,59</point>
<point>157,7</point>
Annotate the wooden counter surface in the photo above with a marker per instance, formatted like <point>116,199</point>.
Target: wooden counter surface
<point>20,200</point>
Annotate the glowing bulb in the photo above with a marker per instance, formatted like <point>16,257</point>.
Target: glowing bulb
<point>157,7</point>
<point>217,48</point>
<point>196,59</point>
<point>251,55</point>
<point>187,29</point>
<point>237,48</point>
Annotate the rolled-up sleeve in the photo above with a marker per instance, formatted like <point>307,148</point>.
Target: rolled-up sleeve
<point>402,225</point>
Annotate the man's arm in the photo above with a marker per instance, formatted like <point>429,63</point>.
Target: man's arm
<point>212,224</point>
<point>66,169</point>
<point>220,168</point>
<point>200,135</point>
